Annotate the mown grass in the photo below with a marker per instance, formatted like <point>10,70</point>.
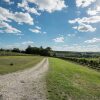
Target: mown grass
<point>70,81</point>
<point>10,64</point>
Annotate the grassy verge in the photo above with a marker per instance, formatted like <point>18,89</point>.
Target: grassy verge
<point>10,64</point>
<point>69,81</point>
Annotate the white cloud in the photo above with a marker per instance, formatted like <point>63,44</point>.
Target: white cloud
<point>8,16</point>
<point>22,45</point>
<point>70,35</point>
<point>93,19</point>
<point>94,11</point>
<point>43,5</point>
<point>35,30</point>
<point>1,31</point>
<point>38,27</point>
<point>5,14</point>
<point>84,3</point>
<point>94,40</point>
<point>49,5</point>
<point>80,48</point>
<point>59,39</point>
<point>25,6</point>
<point>8,1</point>
<point>5,27</point>
<point>20,17</point>
<point>27,42</point>
<point>44,32</point>
<point>84,23</point>
<point>85,28</point>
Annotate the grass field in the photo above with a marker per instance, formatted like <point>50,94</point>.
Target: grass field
<point>9,53</point>
<point>10,64</point>
<point>70,81</point>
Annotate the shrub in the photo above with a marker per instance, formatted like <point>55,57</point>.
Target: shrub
<point>11,64</point>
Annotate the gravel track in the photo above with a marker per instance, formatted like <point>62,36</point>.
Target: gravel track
<point>28,84</point>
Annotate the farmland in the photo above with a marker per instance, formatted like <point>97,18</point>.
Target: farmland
<point>68,78</point>
<point>10,53</point>
<point>10,64</point>
<point>70,81</point>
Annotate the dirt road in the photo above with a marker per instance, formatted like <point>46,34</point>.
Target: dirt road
<point>25,85</point>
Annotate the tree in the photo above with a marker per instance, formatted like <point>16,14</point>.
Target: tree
<point>48,50</point>
<point>38,51</point>
<point>28,50</point>
<point>16,50</point>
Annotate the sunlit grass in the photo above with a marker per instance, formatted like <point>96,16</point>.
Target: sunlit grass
<point>10,64</point>
<point>69,81</point>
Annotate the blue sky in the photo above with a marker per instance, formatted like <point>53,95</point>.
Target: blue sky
<point>67,25</point>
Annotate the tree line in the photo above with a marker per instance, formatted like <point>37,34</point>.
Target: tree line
<point>31,50</point>
<point>39,51</point>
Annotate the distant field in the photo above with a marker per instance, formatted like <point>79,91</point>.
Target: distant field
<point>9,53</point>
<point>69,81</point>
<point>94,59</point>
<point>93,63</point>
<point>10,64</point>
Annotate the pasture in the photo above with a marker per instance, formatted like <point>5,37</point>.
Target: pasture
<point>10,64</point>
<point>70,81</point>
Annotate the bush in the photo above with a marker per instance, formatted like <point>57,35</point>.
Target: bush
<point>11,64</point>
<point>95,64</point>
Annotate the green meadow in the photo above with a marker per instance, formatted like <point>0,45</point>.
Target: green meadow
<point>10,64</point>
<point>70,81</point>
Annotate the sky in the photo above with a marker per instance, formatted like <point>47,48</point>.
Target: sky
<point>63,25</point>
